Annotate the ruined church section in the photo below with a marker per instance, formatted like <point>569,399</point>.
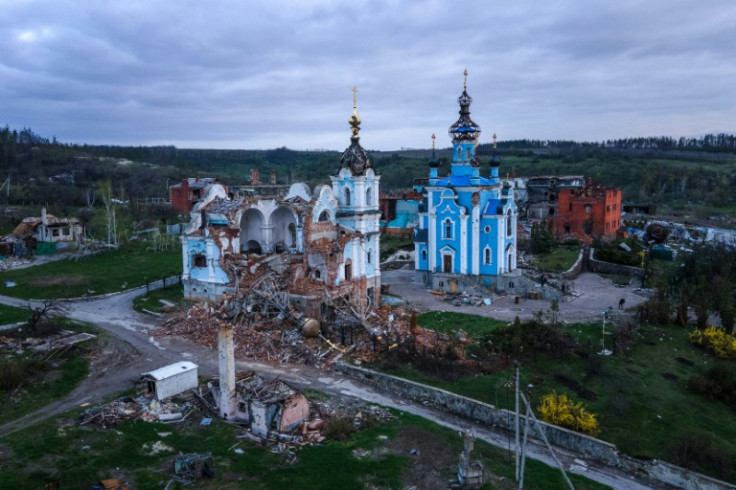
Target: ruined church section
<point>466,233</point>
<point>319,244</point>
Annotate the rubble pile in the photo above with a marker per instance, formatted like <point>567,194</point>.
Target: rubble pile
<point>128,408</point>
<point>10,263</point>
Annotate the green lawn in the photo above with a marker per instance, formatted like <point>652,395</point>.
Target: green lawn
<point>79,456</point>
<point>116,270</point>
<point>640,397</point>
<point>11,314</point>
<point>153,301</point>
<point>559,259</point>
<point>450,322</point>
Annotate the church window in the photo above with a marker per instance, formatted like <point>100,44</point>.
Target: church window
<point>569,208</point>
<point>459,153</point>
<point>368,257</point>
<point>317,273</point>
<point>447,229</point>
<point>199,260</point>
<point>588,209</point>
<point>347,197</point>
<point>487,256</point>
<point>467,153</point>
<point>424,255</point>
<point>368,198</point>
<point>348,270</point>
<point>324,216</point>
<point>551,211</point>
<point>509,224</point>
<point>487,229</point>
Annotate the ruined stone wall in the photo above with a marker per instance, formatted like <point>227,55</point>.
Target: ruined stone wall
<point>609,268</point>
<point>581,444</point>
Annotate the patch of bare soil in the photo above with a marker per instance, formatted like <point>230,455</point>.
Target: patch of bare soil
<point>57,280</point>
<point>432,462</point>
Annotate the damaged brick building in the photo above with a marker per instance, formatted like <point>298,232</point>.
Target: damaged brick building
<point>322,243</point>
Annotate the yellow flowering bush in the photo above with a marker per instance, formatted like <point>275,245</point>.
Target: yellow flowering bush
<point>560,410</point>
<point>716,339</point>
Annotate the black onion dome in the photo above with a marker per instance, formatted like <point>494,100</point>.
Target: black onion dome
<point>495,161</point>
<point>356,158</point>
<point>464,128</point>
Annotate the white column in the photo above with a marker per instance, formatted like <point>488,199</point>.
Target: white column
<point>463,255</point>
<point>431,235</point>
<point>475,236</point>
<point>210,254</point>
<point>226,364</point>
<point>185,257</point>
<point>300,238</point>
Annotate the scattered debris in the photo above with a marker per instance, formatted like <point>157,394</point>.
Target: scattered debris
<point>470,473</point>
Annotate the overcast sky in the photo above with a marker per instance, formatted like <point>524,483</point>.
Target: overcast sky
<point>265,74</point>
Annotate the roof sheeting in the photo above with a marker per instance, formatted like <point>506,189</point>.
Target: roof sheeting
<point>171,370</point>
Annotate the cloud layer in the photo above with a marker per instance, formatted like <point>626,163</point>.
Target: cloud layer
<point>223,74</point>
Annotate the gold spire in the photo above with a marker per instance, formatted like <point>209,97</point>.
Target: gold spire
<point>355,119</point>
<point>465,81</point>
<point>494,141</point>
<point>433,137</point>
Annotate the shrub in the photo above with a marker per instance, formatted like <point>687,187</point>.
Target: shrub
<point>717,340</point>
<point>560,410</point>
<point>340,427</point>
<point>717,383</point>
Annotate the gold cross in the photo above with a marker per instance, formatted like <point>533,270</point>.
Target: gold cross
<point>355,97</point>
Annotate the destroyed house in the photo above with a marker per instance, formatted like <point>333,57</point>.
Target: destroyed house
<point>320,243</point>
<point>50,229</point>
<point>269,406</point>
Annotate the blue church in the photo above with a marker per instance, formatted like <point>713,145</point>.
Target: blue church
<point>466,233</point>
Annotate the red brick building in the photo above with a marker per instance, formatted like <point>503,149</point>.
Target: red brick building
<point>587,212</point>
<point>188,192</point>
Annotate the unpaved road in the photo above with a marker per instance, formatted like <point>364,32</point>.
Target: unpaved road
<point>132,351</point>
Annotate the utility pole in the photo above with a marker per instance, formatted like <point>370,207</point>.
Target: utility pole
<point>516,422</point>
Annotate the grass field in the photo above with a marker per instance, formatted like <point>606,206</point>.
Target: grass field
<point>129,266</point>
<point>640,397</point>
<point>378,457</point>
<point>153,301</point>
<point>11,314</point>
<point>559,259</point>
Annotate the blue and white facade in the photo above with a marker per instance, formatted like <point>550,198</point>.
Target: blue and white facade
<point>467,228</point>
<point>326,240</point>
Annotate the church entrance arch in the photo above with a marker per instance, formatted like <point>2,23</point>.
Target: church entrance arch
<point>284,223</point>
<point>251,231</point>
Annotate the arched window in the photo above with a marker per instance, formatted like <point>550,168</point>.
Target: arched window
<point>487,256</point>
<point>324,216</point>
<point>509,224</point>
<point>199,260</point>
<point>347,197</point>
<point>368,256</point>
<point>348,270</point>
<point>588,209</point>
<point>447,228</point>
<point>424,255</point>
<point>459,153</point>
<point>368,197</point>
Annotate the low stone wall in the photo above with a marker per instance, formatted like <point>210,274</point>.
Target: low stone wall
<point>574,271</point>
<point>609,268</point>
<point>485,413</point>
<point>581,444</point>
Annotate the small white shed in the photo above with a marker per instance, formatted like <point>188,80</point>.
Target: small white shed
<point>172,379</point>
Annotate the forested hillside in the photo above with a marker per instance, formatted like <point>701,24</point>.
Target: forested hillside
<point>676,174</point>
